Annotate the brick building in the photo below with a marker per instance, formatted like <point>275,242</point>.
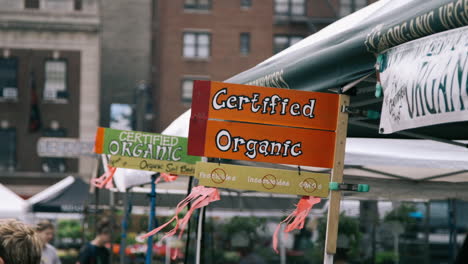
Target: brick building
<point>216,39</point>
<point>49,86</point>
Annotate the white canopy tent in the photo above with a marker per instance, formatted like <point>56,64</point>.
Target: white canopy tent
<point>420,166</point>
<point>12,206</point>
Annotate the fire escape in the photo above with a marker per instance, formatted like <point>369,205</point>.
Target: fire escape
<point>329,11</point>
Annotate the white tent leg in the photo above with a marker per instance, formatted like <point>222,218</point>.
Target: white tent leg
<point>199,235</point>
<point>328,259</point>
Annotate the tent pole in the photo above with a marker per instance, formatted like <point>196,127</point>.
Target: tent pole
<point>427,231</point>
<point>125,221</point>
<point>201,215</point>
<point>333,217</point>
<point>152,216</point>
<point>112,223</point>
<point>105,162</point>
<point>452,229</point>
<point>187,242</point>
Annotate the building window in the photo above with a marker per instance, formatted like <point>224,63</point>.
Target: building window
<point>78,5</point>
<point>290,7</point>
<point>350,6</point>
<point>187,88</point>
<point>197,4</point>
<point>281,42</point>
<point>8,78</point>
<point>55,85</point>
<point>54,164</point>
<point>244,43</point>
<point>246,3</point>
<point>197,45</point>
<point>33,4</point>
<point>8,149</point>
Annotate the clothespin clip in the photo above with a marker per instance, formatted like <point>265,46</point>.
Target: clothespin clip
<point>335,186</point>
<point>378,67</point>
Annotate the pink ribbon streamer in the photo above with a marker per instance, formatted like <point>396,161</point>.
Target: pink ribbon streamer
<point>200,196</point>
<point>166,177</point>
<point>106,179</point>
<point>297,218</point>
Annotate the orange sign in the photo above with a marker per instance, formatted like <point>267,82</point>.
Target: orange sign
<point>264,143</point>
<point>254,104</point>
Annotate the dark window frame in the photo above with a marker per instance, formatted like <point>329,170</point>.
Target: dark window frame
<point>78,5</point>
<point>32,4</point>
<point>189,78</point>
<point>16,61</point>
<point>353,7</point>
<point>197,5</point>
<point>196,44</point>
<point>54,165</point>
<point>12,161</point>
<point>66,93</point>
<point>246,3</point>
<point>290,5</point>
<point>289,37</point>
<point>245,43</point>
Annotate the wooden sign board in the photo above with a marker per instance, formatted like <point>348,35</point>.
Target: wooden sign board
<point>179,168</point>
<point>274,144</point>
<point>142,145</point>
<point>254,104</point>
<point>262,179</point>
<point>254,123</point>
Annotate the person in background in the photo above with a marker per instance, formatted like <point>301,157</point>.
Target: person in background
<point>19,243</point>
<point>45,230</point>
<point>95,251</point>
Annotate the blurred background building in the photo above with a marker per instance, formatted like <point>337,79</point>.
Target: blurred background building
<point>67,66</point>
<point>126,63</point>
<point>214,40</point>
<point>49,86</point>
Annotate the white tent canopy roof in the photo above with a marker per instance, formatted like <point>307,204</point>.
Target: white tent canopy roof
<point>12,206</point>
<point>419,165</point>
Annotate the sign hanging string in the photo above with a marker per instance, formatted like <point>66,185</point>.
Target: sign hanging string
<point>297,218</point>
<point>105,181</point>
<point>200,196</point>
<point>167,177</point>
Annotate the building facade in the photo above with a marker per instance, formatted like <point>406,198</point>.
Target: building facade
<point>216,39</point>
<point>126,39</point>
<point>49,86</point>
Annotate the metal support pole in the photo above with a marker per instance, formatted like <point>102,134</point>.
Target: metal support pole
<point>282,245</point>
<point>112,223</point>
<point>105,161</point>
<point>149,242</point>
<point>187,242</point>
<point>427,230</point>
<point>199,235</point>
<point>125,222</point>
<point>452,229</point>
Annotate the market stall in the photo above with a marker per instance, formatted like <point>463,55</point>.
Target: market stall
<point>342,58</point>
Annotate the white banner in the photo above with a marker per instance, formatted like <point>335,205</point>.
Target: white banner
<point>425,82</point>
<point>64,147</point>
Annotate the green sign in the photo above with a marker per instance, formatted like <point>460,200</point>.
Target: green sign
<point>142,145</point>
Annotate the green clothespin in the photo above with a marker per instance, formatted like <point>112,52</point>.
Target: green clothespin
<point>335,186</point>
<point>373,115</point>
<point>378,90</point>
